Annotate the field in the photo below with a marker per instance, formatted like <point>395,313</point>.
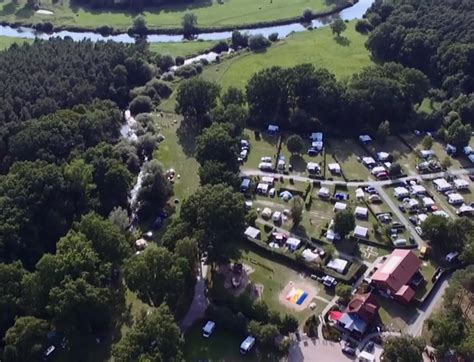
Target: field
<point>318,47</point>
<point>210,13</point>
<point>184,49</point>
<point>6,41</point>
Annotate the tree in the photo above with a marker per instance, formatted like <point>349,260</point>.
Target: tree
<point>344,222</point>
<point>289,324</point>
<point>119,217</point>
<point>187,248</point>
<point>11,276</point>
<point>233,96</point>
<point>344,292</point>
<point>79,307</point>
<point>383,131</point>
<point>239,39</point>
<point>216,144</point>
<point>141,104</point>
<point>166,62</point>
<point>447,328</point>
<point>427,142</point>
<point>395,169</point>
<point>215,172</point>
<point>233,115</point>
<point>25,340</point>
<point>139,26</point>
<point>195,98</point>
<point>297,210</point>
<point>189,23</point>
<point>216,217</point>
<point>459,134</point>
<point>258,42</point>
<point>403,349</point>
<point>295,144</point>
<point>338,26</point>
<point>153,337</point>
<point>157,276</point>
<point>435,229</point>
<point>446,163</point>
<point>265,333</point>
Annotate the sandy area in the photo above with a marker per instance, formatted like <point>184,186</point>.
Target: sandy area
<point>307,286</point>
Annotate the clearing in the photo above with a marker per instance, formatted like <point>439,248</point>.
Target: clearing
<point>319,47</point>
<point>185,49</point>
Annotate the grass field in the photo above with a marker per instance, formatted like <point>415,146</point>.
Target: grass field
<point>210,13</point>
<point>184,49</point>
<point>6,41</point>
<point>317,47</point>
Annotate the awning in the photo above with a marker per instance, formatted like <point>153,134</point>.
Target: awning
<point>335,315</point>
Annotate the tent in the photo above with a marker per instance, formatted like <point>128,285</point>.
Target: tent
<point>471,158</point>
<point>412,203</point>
<point>267,213</point>
<point>286,195</point>
<point>313,167</point>
<point>361,212</point>
<point>331,235</point>
<point>324,192</point>
<point>378,170</point>
<point>361,232</point>
<point>316,136</point>
<point>339,206</point>
<point>427,153</point>
<point>293,243</point>
<point>338,265</point>
<point>252,232</point>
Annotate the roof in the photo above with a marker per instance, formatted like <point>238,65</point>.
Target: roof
<point>455,197</point>
<point>334,166</point>
<point>352,322</point>
<point>245,182</point>
<point>459,182</point>
<point>338,265</point>
<point>365,306</point>
<point>418,189</point>
<point>428,201</point>
<point>406,293</point>
<point>323,191</point>
<point>335,315</point>
<point>400,191</point>
<point>441,183</point>
<point>209,327</point>
<point>398,269</point>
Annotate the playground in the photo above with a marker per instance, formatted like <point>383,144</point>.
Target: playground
<point>298,295</point>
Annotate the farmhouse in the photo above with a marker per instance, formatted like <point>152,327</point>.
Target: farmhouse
<point>396,274</point>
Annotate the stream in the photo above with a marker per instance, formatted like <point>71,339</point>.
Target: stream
<point>354,12</point>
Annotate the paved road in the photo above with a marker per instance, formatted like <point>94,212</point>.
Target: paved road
<point>200,302</point>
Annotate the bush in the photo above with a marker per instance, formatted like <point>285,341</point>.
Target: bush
<point>166,62</point>
<point>258,42</point>
<point>141,104</point>
<point>220,47</point>
<point>168,77</point>
<point>179,60</point>
<point>105,30</point>
<point>163,89</point>
<point>186,71</point>
<point>239,39</point>
<point>307,14</point>
<point>273,37</point>
<point>363,26</point>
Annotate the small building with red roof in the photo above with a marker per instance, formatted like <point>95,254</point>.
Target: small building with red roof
<point>398,275</point>
<point>361,312</point>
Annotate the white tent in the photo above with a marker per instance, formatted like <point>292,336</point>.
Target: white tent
<point>383,156</point>
<point>324,192</point>
<point>339,206</point>
<point>468,150</point>
<point>293,243</point>
<point>359,193</point>
<point>252,232</point>
<point>400,192</point>
<point>361,212</point>
<point>417,190</point>
<point>455,199</point>
<point>428,201</point>
<point>334,168</point>
<point>338,265</point>
<point>361,232</point>
<point>442,185</point>
<point>267,213</point>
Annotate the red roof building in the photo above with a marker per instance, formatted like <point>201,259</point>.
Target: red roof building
<point>360,313</point>
<point>395,274</point>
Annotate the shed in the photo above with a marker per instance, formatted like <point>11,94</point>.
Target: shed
<point>365,139</point>
<point>361,212</point>
<point>400,192</point>
<point>461,184</point>
<point>361,232</point>
<point>293,243</point>
<point>455,199</point>
<point>428,201</point>
<point>338,265</point>
<point>272,128</point>
<point>335,168</point>
<point>252,232</point>
<point>324,192</point>
<point>339,206</point>
<point>383,156</point>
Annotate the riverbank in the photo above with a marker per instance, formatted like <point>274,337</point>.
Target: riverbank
<point>228,16</point>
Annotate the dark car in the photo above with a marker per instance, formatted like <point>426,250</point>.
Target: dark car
<point>349,351</point>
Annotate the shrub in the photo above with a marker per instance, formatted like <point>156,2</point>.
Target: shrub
<point>239,39</point>
<point>258,42</point>
<point>105,30</point>
<point>307,14</point>
<point>166,62</point>
<point>163,89</point>
<point>179,60</point>
<point>273,37</point>
<point>141,104</point>
<point>363,26</point>
<point>186,71</point>
<point>220,47</point>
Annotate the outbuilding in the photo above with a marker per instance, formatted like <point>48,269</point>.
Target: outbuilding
<point>338,265</point>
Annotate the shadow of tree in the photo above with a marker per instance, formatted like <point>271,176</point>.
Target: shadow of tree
<point>298,163</point>
<point>187,133</point>
<point>25,12</point>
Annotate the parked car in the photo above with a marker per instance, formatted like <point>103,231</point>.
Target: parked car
<point>371,190</point>
<point>329,281</point>
<point>349,351</point>
<point>451,256</point>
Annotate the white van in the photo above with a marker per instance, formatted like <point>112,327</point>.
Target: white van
<point>208,329</point>
<point>247,345</point>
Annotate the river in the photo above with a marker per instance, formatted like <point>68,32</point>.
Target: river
<point>351,13</point>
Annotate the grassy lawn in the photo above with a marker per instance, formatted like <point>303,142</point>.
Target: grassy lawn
<point>184,49</point>
<point>395,315</point>
<point>222,346</point>
<point>346,152</point>
<point>261,145</point>
<point>210,13</point>
<point>393,145</point>
<point>317,47</point>
<point>177,151</point>
<point>6,41</point>
<point>274,277</point>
